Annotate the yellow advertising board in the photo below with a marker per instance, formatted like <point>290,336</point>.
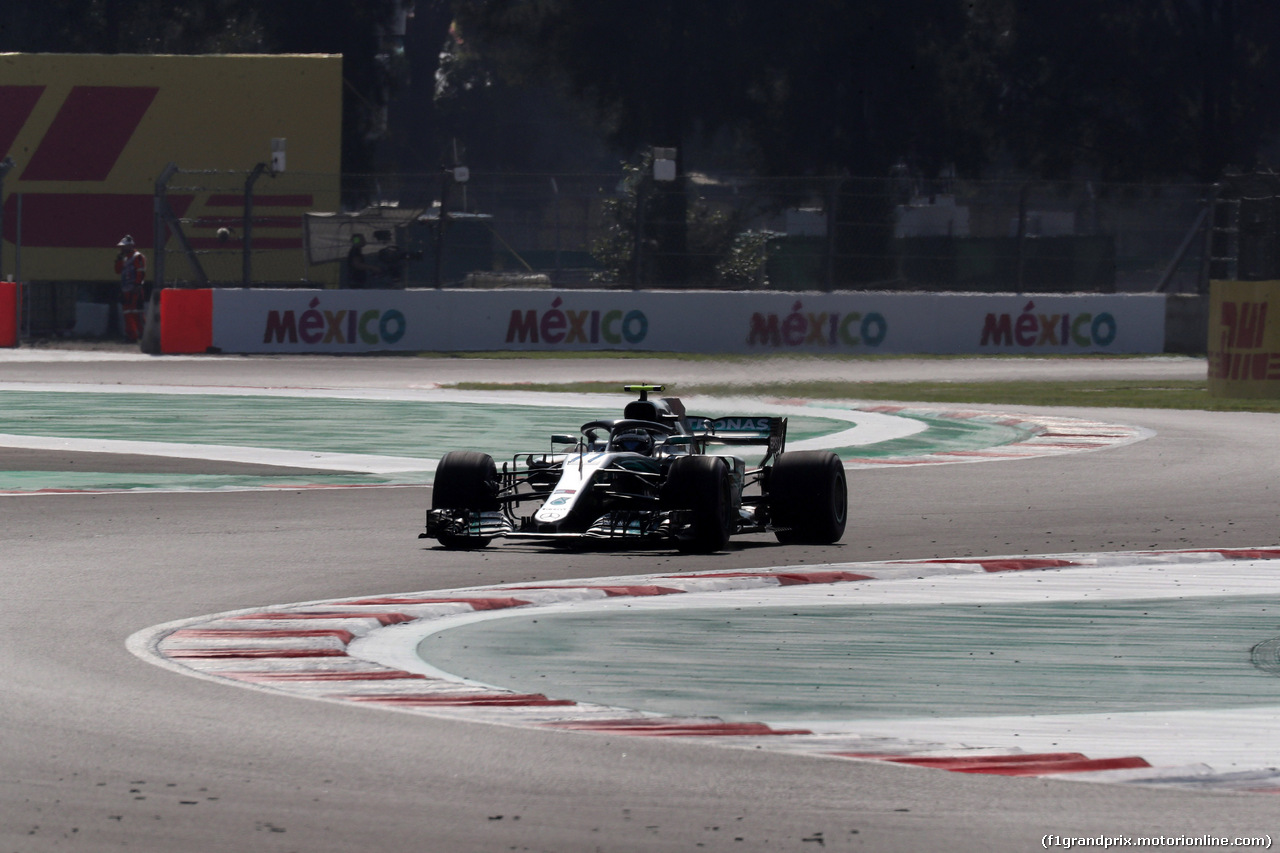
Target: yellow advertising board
<point>1244,339</point>
<point>89,135</point>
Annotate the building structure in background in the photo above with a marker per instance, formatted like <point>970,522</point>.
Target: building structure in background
<point>90,135</point>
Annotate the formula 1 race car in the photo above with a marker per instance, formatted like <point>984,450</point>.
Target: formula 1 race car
<point>646,477</point>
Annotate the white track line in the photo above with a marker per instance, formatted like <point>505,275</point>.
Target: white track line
<point>349,462</point>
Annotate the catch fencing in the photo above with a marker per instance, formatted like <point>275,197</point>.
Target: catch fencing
<point>626,230</point>
<point>827,234</point>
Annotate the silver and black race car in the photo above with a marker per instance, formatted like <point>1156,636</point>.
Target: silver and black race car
<point>648,477</point>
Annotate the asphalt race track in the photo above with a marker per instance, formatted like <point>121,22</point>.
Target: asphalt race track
<point>102,751</point>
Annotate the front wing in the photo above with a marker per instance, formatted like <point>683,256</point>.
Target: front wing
<point>617,526</point>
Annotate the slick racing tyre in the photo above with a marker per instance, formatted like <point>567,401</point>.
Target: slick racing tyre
<point>465,480</point>
<point>701,487</point>
<point>808,497</point>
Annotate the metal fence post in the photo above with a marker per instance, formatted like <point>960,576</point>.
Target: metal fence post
<point>1023,193</point>
<point>441,219</point>
<point>247,261</point>
<point>555,192</point>
<point>160,224</point>
<point>6,165</point>
<point>17,269</point>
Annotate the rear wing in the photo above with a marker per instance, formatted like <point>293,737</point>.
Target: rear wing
<point>769,432</point>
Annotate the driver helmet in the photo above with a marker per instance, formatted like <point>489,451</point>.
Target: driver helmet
<point>633,441</point>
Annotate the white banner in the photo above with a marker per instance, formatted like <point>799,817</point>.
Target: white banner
<point>857,323</point>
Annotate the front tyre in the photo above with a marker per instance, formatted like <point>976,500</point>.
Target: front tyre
<point>808,498</point>
<point>699,487</point>
<point>465,481</point>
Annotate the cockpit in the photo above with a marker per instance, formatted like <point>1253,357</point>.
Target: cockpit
<point>645,426</point>
<point>632,441</point>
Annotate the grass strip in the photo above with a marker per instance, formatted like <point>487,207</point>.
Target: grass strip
<point>1129,394</point>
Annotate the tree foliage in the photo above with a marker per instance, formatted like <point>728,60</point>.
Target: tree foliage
<point>1152,88</point>
<point>1158,88</point>
<point>815,86</point>
<point>1149,88</point>
<point>127,26</point>
<point>503,123</point>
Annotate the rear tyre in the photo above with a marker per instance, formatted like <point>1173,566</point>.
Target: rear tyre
<point>808,497</point>
<point>701,487</point>
<point>465,480</point>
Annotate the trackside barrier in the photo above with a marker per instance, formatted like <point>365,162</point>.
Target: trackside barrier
<point>10,312</point>
<point>186,321</point>
<point>752,322</point>
<point>767,323</point>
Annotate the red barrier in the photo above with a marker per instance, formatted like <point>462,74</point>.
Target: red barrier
<point>186,321</point>
<point>10,312</point>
